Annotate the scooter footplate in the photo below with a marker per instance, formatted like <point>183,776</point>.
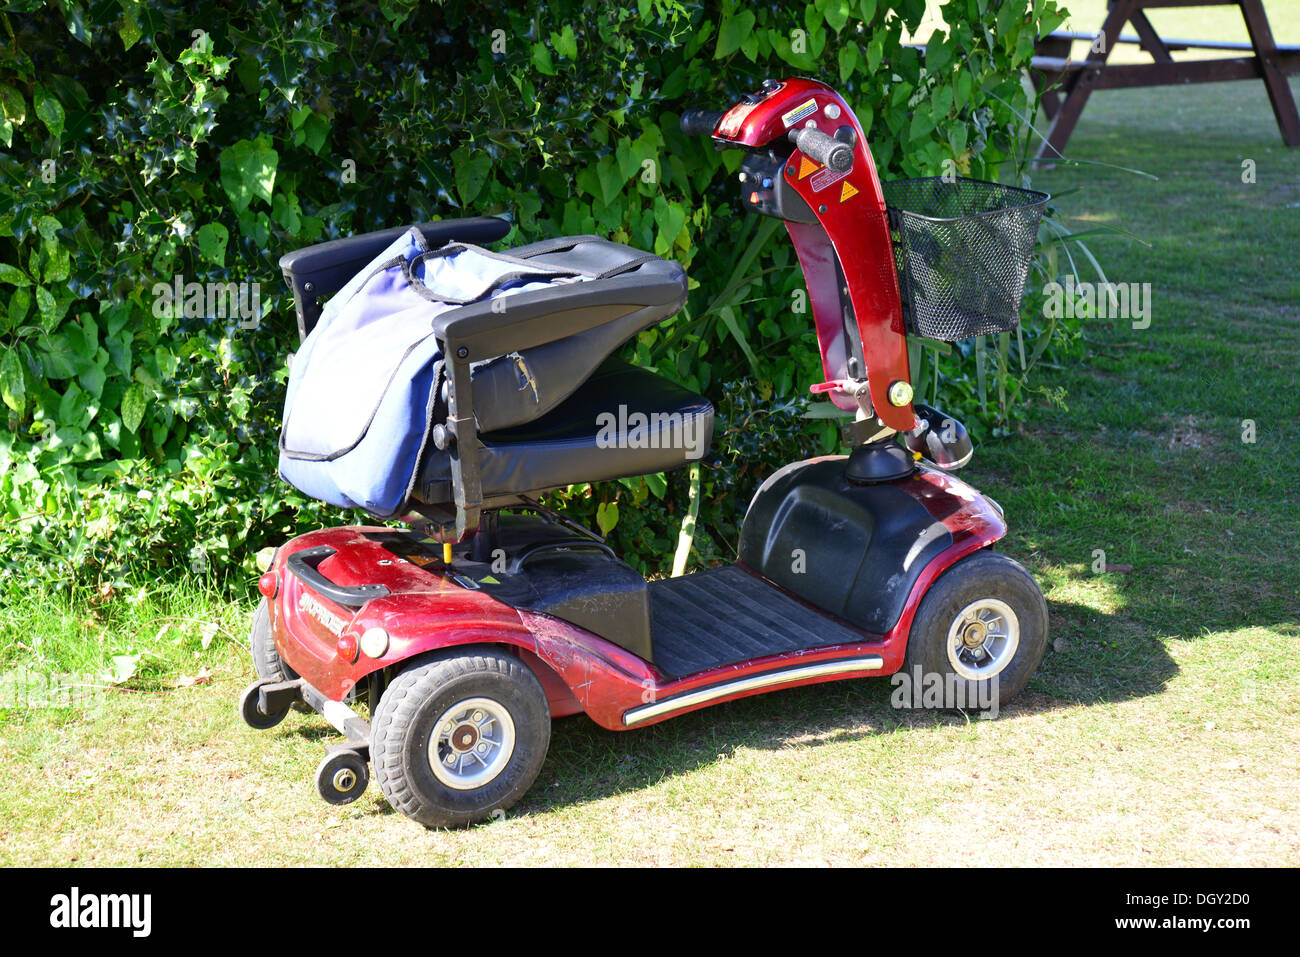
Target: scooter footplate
<point>726,615</point>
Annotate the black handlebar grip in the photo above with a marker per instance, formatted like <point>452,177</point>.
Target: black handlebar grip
<point>830,152</point>
<point>701,122</point>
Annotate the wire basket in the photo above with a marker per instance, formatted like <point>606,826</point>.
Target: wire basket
<point>964,249</point>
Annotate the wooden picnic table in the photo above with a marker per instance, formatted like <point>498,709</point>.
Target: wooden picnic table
<point>1066,83</point>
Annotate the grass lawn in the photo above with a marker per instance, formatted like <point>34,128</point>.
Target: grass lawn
<point>1162,729</point>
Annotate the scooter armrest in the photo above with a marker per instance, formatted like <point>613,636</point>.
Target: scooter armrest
<point>498,326</point>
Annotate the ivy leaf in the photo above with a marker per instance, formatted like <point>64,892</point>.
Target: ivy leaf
<point>565,43</point>
<point>542,59</point>
<point>49,110</point>
<point>607,516</point>
<point>732,33</point>
<point>471,173</point>
<point>671,217</point>
<point>837,14</point>
<point>133,405</point>
<point>248,171</point>
<point>848,60</point>
<point>212,242</point>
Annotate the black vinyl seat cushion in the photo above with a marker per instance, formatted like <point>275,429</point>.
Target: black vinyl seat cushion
<point>588,437</point>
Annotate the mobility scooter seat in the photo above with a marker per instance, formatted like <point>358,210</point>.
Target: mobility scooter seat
<point>621,421</point>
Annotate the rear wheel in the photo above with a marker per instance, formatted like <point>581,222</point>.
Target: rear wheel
<point>266,660</point>
<point>460,736</point>
<point>982,628</point>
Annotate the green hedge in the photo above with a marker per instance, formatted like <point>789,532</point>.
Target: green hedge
<point>149,141</point>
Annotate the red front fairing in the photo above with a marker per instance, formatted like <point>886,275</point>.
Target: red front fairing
<point>852,225</point>
<point>579,670</point>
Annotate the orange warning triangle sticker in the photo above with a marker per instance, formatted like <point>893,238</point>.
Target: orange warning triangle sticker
<point>847,191</point>
<point>807,167</point>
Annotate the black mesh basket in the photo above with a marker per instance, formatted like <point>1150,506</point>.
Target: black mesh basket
<point>964,248</point>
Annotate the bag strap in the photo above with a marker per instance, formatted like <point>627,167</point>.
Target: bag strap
<point>527,270</point>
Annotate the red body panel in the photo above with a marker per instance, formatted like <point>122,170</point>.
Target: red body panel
<point>850,209</point>
<point>580,671</point>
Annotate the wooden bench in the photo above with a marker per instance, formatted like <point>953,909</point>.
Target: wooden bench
<point>1065,84</point>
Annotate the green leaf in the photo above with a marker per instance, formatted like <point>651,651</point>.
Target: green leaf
<point>122,669</point>
<point>13,388</point>
<point>13,275</point>
<point>837,14</point>
<point>566,44</point>
<point>542,59</point>
<point>50,110</point>
<point>867,10</point>
<point>74,407</point>
<point>471,173</point>
<point>671,217</point>
<point>129,30</point>
<point>733,31</point>
<point>212,239</point>
<point>607,516</point>
<point>133,405</point>
<point>875,53</point>
<point>248,171</point>
<point>13,105</point>
<point>848,61</point>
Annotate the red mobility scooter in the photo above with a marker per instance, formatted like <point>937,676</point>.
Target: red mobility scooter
<point>487,615</point>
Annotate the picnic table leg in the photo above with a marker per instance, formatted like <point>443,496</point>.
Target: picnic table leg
<point>1279,91</point>
<point>1151,41</point>
<point>1081,88</point>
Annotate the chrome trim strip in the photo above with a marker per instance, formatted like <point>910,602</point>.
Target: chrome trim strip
<point>749,683</point>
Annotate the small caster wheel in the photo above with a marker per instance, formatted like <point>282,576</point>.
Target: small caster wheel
<point>342,777</point>
<point>250,709</point>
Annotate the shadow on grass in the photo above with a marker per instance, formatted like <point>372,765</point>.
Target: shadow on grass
<point>588,763</point>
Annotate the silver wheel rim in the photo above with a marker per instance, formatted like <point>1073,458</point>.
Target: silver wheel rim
<point>471,743</point>
<point>983,639</point>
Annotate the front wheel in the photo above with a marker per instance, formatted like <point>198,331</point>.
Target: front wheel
<point>459,737</point>
<point>982,629</point>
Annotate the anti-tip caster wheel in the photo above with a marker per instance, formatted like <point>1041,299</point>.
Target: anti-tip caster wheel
<point>342,777</point>
<point>250,709</point>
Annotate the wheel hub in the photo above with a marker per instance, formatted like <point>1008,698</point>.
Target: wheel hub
<point>983,639</point>
<point>345,779</point>
<point>464,738</point>
<point>471,743</point>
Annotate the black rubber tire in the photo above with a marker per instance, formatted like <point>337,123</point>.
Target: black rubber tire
<point>341,760</point>
<point>404,720</point>
<point>985,574</point>
<point>266,660</point>
<point>250,709</point>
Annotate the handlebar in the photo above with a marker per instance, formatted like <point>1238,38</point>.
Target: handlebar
<point>701,122</point>
<point>830,152</point>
